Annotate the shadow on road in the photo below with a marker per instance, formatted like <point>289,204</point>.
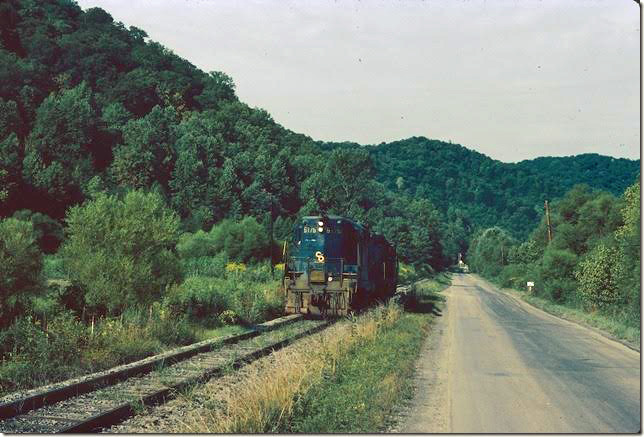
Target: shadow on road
<point>423,304</point>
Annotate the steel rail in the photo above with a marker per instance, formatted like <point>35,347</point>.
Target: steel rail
<point>14,405</point>
<point>123,411</point>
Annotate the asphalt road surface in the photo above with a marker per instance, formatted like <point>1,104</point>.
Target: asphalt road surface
<point>502,366</point>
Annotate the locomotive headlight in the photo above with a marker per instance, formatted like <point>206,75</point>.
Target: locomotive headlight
<point>320,223</point>
<point>320,229</point>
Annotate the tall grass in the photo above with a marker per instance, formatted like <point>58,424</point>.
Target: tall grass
<point>266,399</point>
<point>32,354</point>
<point>237,298</point>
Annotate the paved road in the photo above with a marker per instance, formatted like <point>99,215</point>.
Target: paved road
<point>502,366</point>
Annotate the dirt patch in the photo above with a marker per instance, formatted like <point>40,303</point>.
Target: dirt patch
<point>428,410</point>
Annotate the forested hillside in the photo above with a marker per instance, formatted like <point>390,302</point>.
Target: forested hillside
<point>464,183</point>
<point>88,106</point>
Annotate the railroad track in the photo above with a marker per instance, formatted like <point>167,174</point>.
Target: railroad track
<point>104,399</point>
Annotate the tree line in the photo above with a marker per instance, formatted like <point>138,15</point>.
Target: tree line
<point>592,261</point>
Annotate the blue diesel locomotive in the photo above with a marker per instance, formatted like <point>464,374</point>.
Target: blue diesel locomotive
<point>335,266</point>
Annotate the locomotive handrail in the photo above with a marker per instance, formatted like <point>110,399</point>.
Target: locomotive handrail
<point>329,261</point>
<point>308,261</point>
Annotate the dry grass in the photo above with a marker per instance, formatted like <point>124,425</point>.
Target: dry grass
<point>264,400</point>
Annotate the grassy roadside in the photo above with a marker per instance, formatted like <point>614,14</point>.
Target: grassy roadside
<point>359,394</point>
<point>348,379</point>
<point>610,327</point>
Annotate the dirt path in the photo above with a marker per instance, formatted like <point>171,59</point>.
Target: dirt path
<point>501,366</point>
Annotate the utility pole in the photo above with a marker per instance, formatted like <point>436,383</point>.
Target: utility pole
<point>271,240</point>
<point>548,222</point>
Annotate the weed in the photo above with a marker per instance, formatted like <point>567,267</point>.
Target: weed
<point>275,397</point>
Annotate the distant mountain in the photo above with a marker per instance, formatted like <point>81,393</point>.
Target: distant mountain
<point>598,171</point>
<point>487,191</point>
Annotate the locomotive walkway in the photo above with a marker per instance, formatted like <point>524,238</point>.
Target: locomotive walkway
<point>502,366</point>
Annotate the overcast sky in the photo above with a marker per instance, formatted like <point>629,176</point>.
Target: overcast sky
<point>511,79</point>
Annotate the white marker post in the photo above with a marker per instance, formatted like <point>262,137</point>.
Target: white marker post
<point>530,284</point>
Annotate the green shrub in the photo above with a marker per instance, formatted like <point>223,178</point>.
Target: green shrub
<point>48,232</point>
<point>205,266</point>
<point>490,251</point>
<point>406,273</point>
<point>256,302</point>
<point>121,251</point>
<point>174,330</point>
<point>67,338</point>
<point>25,338</point>
<point>228,317</point>
<point>199,297</point>
<point>31,356</point>
<point>20,268</point>
<point>556,274</point>
<point>513,276</point>
<point>53,267</point>
<point>120,341</point>
<point>243,241</point>
<point>197,245</point>
<point>597,275</point>
<point>260,272</point>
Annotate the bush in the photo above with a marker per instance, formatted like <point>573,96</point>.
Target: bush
<point>174,330</point>
<point>248,297</point>
<point>513,276</point>
<point>67,338</point>
<point>119,341</point>
<point>53,267</point>
<point>556,274</point>
<point>597,275</point>
<point>121,251</point>
<point>20,268</point>
<point>205,266</point>
<point>23,337</point>
<point>245,241</point>
<point>48,231</point>
<point>256,302</point>
<point>199,298</point>
<point>31,356</point>
<point>406,273</point>
<point>197,245</point>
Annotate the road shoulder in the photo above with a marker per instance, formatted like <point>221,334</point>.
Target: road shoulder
<point>428,410</point>
<point>516,296</point>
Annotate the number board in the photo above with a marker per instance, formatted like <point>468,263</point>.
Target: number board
<point>314,230</point>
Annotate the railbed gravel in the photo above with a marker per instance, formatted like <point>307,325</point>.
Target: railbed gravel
<point>56,417</point>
